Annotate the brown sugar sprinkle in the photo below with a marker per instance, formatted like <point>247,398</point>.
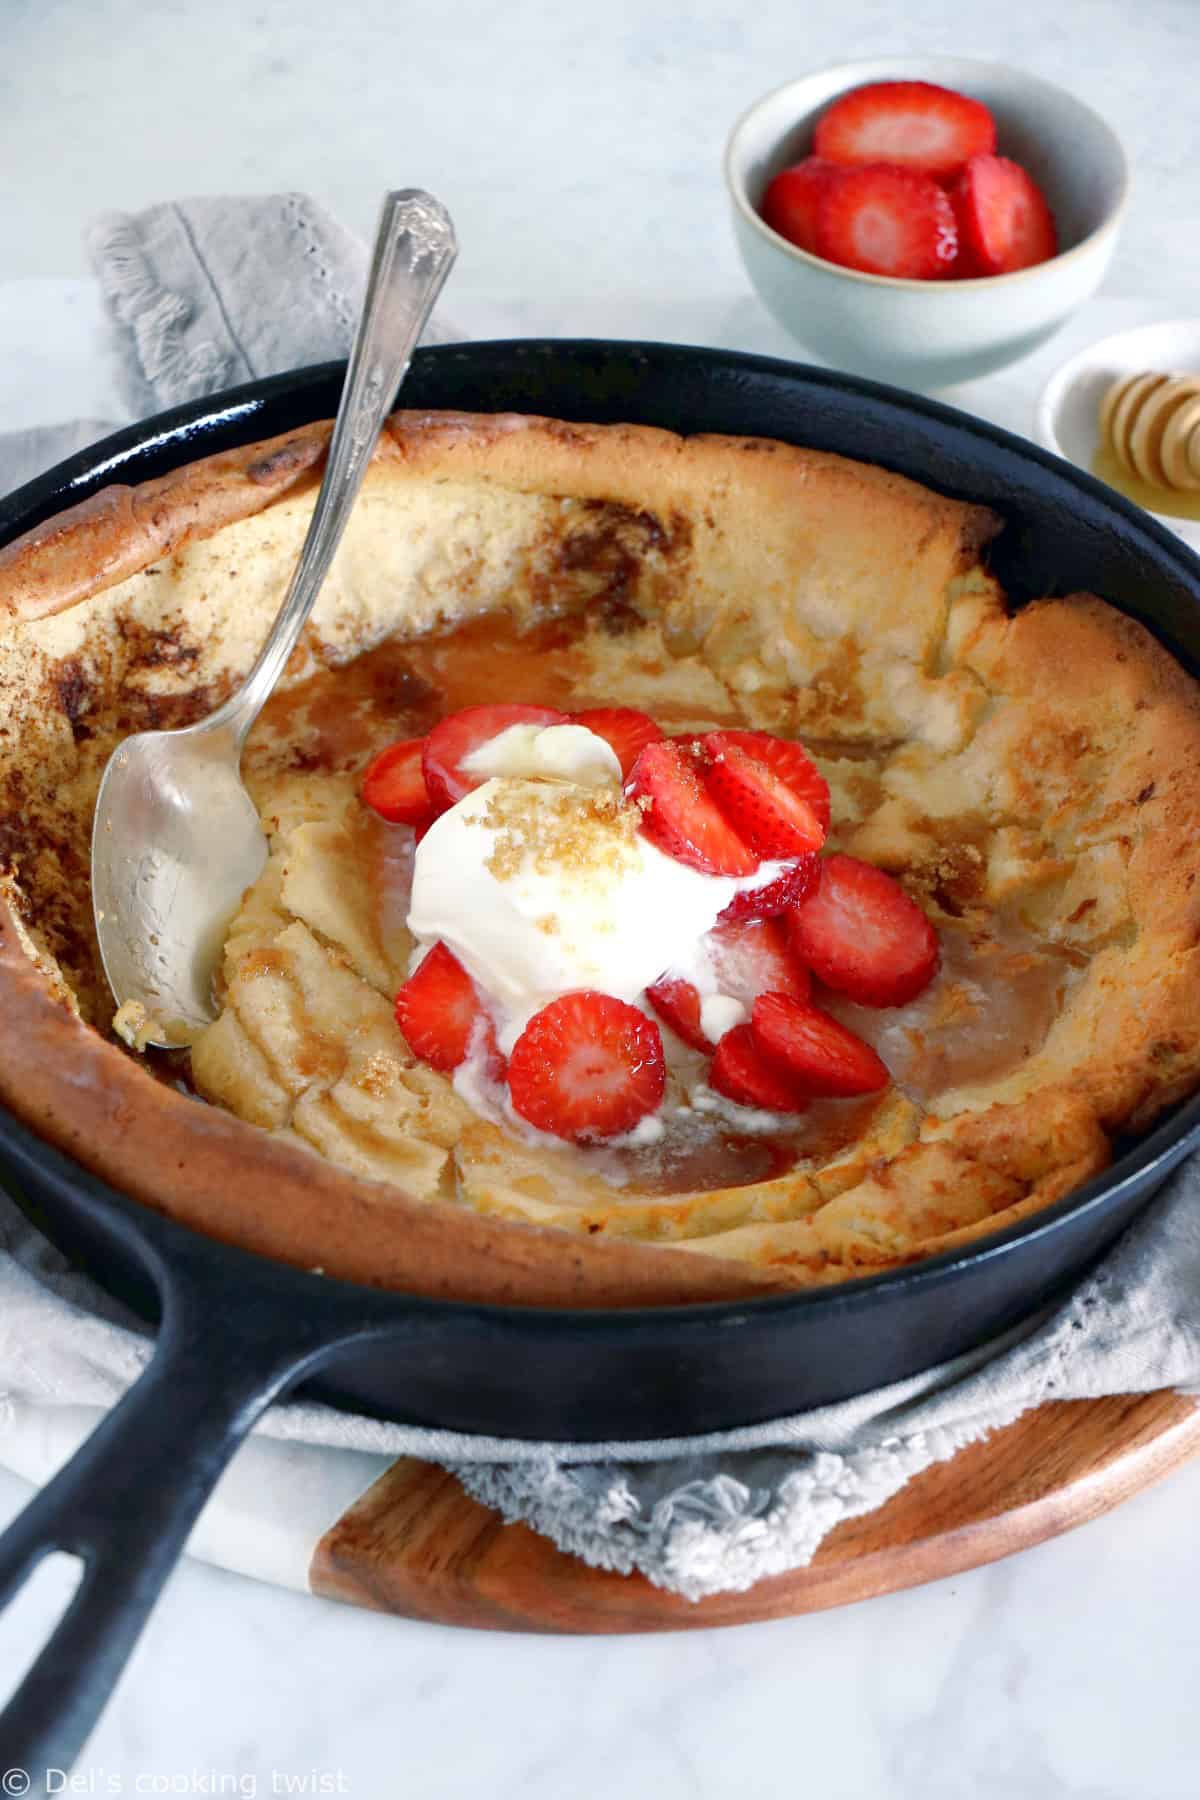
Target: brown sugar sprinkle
<point>560,828</point>
<point>378,1074</point>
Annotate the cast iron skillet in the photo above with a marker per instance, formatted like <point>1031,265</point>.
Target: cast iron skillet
<point>236,1331</point>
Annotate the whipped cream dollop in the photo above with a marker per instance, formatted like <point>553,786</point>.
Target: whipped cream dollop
<point>540,883</point>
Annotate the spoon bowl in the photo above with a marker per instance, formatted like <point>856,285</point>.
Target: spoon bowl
<point>181,844</point>
<point>176,839</point>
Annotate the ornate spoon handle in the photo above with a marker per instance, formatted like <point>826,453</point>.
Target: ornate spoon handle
<point>415,248</point>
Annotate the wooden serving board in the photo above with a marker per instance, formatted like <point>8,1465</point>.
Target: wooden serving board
<point>416,1544</point>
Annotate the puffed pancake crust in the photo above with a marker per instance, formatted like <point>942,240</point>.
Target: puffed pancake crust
<point>1033,779</point>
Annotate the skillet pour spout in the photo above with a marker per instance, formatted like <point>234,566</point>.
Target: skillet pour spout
<point>239,1330</point>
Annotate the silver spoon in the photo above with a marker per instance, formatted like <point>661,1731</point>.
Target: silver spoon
<point>176,839</point>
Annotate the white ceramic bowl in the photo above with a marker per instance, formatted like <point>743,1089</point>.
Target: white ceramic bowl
<point>932,333</point>
<point>1067,419</point>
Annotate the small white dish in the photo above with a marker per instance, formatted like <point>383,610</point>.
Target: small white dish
<point>933,333</point>
<point>1067,417</point>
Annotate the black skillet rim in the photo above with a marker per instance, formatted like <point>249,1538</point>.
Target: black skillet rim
<point>239,411</point>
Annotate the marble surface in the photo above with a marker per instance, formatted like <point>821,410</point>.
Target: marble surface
<point>578,149</point>
<point>1065,1674</point>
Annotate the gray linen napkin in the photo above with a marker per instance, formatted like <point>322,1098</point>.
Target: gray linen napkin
<point>187,284</point>
<point>207,293</point>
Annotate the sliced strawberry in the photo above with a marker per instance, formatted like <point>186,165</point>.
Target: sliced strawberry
<point>624,728</point>
<point>677,1004</point>
<point>748,957</point>
<point>454,738</point>
<point>439,1012</point>
<point>788,889</point>
<point>860,933</point>
<point>680,815</point>
<point>787,759</point>
<point>887,221</point>
<point>818,1053</point>
<point>1004,222</point>
<point>790,203</point>
<point>772,817</point>
<point>913,124</point>
<point>587,1066</point>
<point>741,1072</point>
<point>752,957</point>
<point>394,785</point>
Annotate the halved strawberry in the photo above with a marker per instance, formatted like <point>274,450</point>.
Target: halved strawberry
<point>587,1066</point>
<point>624,728</point>
<point>913,124</point>
<point>790,761</point>
<point>681,816</point>
<point>790,203</point>
<point>1004,221</point>
<point>788,889</point>
<point>767,811</point>
<point>814,1050</point>
<point>394,786</point>
<point>741,1072</point>
<point>753,957</point>
<point>455,737</point>
<point>439,1012</point>
<point>677,1004</point>
<point>860,933</point>
<point>888,221</point>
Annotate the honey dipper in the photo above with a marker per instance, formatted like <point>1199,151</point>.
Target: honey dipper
<point>1152,424</point>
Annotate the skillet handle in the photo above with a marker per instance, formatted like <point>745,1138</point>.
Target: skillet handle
<point>125,1504</point>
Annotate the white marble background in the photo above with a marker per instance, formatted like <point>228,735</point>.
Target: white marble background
<point>578,148</point>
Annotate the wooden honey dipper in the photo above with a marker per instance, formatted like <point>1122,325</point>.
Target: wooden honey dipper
<point>1152,424</point>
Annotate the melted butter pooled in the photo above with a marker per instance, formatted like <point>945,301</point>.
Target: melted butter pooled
<point>695,1155</point>
<point>340,718</point>
<point>698,1153</point>
<point>990,1005</point>
<point>390,877</point>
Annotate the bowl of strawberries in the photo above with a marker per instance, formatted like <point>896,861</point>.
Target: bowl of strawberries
<point>924,219</point>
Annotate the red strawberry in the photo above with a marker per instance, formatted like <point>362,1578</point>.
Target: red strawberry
<point>913,124</point>
<point>749,956</point>
<point>587,1066</point>
<point>768,812</point>
<point>624,728</point>
<point>439,1012</point>
<point>680,815</point>
<point>788,889</point>
<point>1004,222</point>
<point>394,786</point>
<point>815,1051</point>
<point>860,933</point>
<point>741,1072</point>
<point>790,202</point>
<point>887,221</point>
<point>790,761</point>
<point>677,1003</point>
<point>753,957</point>
<point>454,738</point>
